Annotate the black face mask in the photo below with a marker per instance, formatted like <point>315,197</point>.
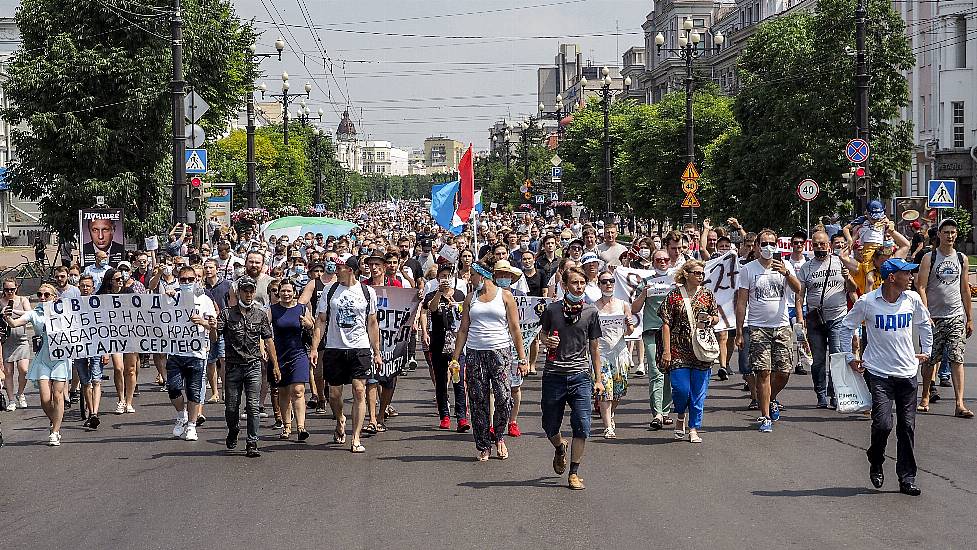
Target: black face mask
<point>820,254</point>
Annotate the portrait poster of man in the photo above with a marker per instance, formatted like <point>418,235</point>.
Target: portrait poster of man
<point>101,230</point>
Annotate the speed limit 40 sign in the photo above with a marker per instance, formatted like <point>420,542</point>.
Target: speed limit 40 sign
<point>808,190</point>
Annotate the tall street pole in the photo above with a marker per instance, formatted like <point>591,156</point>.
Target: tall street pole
<point>285,114</point>
<point>607,150</point>
<point>689,131</point>
<point>861,93</point>
<point>179,196</point>
<point>251,163</point>
<point>318,168</point>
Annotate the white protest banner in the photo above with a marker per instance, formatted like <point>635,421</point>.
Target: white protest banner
<point>90,326</point>
<point>530,311</point>
<point>626,281</point>
<point>721,280</point>
<point>613,320</point>
<point>396,310</point>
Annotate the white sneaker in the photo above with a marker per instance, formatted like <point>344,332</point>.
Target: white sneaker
<point>179,427</point>
<point>129,408</point>
<point>21,401</point>
<point>191,433</point>
<point>120,408</point>
<point>640,371</point>
<point>12,405</point>
<point>54,440</point>
<point>609,433</point>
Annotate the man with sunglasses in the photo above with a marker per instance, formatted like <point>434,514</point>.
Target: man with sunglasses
<point>185,372</point>
<point>764,288</point>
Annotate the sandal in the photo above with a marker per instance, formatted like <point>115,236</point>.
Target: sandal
<point>502,450</point>
<point>286,432</point>
<point>694,437</point>
<point>656,423</point>
<point>303,435</point>
<point>357,448</point>
<point>370,429</point>
<point>391,412</point>
<point>923,408</point>
<point>483,456</point>
<point>380,428</point>
<point>964,413</point>
<point>667,420</point>
<point>339,435</point>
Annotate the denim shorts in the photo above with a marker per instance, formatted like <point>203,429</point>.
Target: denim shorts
<point>89,370</point>
<point>560,390</point>
<point>185,372</point>
<point>216,350</point>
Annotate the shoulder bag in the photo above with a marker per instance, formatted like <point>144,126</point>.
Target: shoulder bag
<point>704,343</point>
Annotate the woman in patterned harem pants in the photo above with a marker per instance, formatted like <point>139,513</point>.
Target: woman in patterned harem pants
<point>482,369</point>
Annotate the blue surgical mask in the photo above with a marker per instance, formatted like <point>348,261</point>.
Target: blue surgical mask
<point>572,298</point>
<point>299,269</point>
<point>186,287</point>
<point>504,282</point>
<point>330,267</point>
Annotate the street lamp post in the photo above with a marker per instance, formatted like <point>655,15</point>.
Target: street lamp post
<point>689,49</point>
<point>304,116</point>
<point>251,164</point>
<point>605,91</point>
<point>316,134</point>
<point>287,99</point>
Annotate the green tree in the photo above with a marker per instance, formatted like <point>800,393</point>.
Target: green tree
<point>795,109</point>
<point>89,88</point>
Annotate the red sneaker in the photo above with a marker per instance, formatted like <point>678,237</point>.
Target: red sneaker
<point>514,430</point>
<point>445,423</point>
<point>463,425</point>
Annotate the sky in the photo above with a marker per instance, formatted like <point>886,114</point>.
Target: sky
<point>410,69</point>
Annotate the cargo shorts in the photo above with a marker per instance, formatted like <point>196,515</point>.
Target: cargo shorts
<point>770,349</point>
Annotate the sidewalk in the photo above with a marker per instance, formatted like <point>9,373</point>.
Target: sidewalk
<point>11,256</point>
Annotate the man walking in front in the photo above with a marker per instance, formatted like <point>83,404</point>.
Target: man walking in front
<point>945,291</point>
<point>244,326</point>
<point>762,288</point>
<point>891,364</point>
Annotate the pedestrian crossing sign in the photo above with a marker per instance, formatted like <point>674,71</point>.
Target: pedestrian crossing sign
<point>942,194</point>
<point>196,161</point>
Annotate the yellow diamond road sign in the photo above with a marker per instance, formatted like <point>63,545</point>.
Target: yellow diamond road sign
<point>690,173</point>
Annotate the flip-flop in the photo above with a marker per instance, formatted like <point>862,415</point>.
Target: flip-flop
<point>370,429</point>
<point>339,437</point>
<point>357,448</point>
<point>503,452</point>
<point>922,408</point>
<point>964,413</point>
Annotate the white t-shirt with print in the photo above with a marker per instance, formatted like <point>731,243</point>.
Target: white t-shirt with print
<point>350,308</point>
<point>768,295</point>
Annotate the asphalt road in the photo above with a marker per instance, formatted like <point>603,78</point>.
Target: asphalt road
<point>129,485</point>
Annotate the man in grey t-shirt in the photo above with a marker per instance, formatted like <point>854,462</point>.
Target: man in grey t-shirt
<point>823,283</point>
<point>572,329</point>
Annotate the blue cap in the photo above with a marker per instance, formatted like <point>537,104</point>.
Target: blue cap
<point>893,265</point>
<point>875,206</point>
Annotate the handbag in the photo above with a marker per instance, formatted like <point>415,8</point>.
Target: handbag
<point>704,343</point>
<point>814,318</point>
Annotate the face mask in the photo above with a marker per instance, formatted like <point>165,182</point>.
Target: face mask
<point>607,293</point>
<point>523,246</point>
<point>126,275</point>
<point>767,252</point>
<point>246,305</point>
<point>573,298</point>
<point>238,271</point>
<point>100,263</point>
<point>503,283</point>
<point>186,287</point>
<point>73,279</point>
<point>168,270</point>
<point>330,267</point>
<point>820,254</point>
<point>299,269</point>
<point>645,253</point>
<point>888,244</point>
<point>565,242</point>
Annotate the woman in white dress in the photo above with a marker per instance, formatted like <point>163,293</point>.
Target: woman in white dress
<point>616,322</point>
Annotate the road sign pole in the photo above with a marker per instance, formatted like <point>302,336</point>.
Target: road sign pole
<point>808,219</point>
<point>179,190</point>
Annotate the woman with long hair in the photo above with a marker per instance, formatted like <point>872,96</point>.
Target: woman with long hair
<point>49,376</point>
<point>489,327</point>
<point>125,366</point>
<point>689,375</point>
<point>16,347</point>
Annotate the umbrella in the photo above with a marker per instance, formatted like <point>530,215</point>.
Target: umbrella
<point>293,226</point>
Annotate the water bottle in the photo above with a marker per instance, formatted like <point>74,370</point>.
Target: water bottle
<point>455,373</point>
<point>551,352</point>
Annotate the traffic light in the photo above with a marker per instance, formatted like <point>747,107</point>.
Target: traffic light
<point>195,200</point>
<point>862,181</point>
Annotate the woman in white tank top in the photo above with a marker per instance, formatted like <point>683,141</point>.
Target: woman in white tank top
<point>489,326</point>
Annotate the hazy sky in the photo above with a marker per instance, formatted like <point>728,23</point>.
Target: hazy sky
<point>410,69</point>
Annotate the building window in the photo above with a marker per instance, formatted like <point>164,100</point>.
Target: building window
<point>960,42</point>
<point>699,23</point>
<point>958,124</point>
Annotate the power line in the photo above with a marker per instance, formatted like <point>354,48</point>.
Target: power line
<point>483,12</point>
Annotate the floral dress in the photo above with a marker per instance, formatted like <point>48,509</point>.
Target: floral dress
<point>672,312</point>
<point>615,360</point>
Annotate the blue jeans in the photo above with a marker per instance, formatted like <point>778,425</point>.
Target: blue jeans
<point>89,370</point>
<point>824,340</point>
<point>185,372</point>
<point>560,390</point>
<point>689,389</point>
<point>743,355</point>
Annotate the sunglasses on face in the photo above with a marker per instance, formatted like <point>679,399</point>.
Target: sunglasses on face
<point>606,281</point>
<point>698,273</point>
<point>186,280</point>
<point>768,243</point>
<point>661,259</point>
<point>117,279</point>
<point>576,247</point>
<point>798,243</point>
<point>10,290</point>
<point>44,295</point>
<point>272,291</point>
